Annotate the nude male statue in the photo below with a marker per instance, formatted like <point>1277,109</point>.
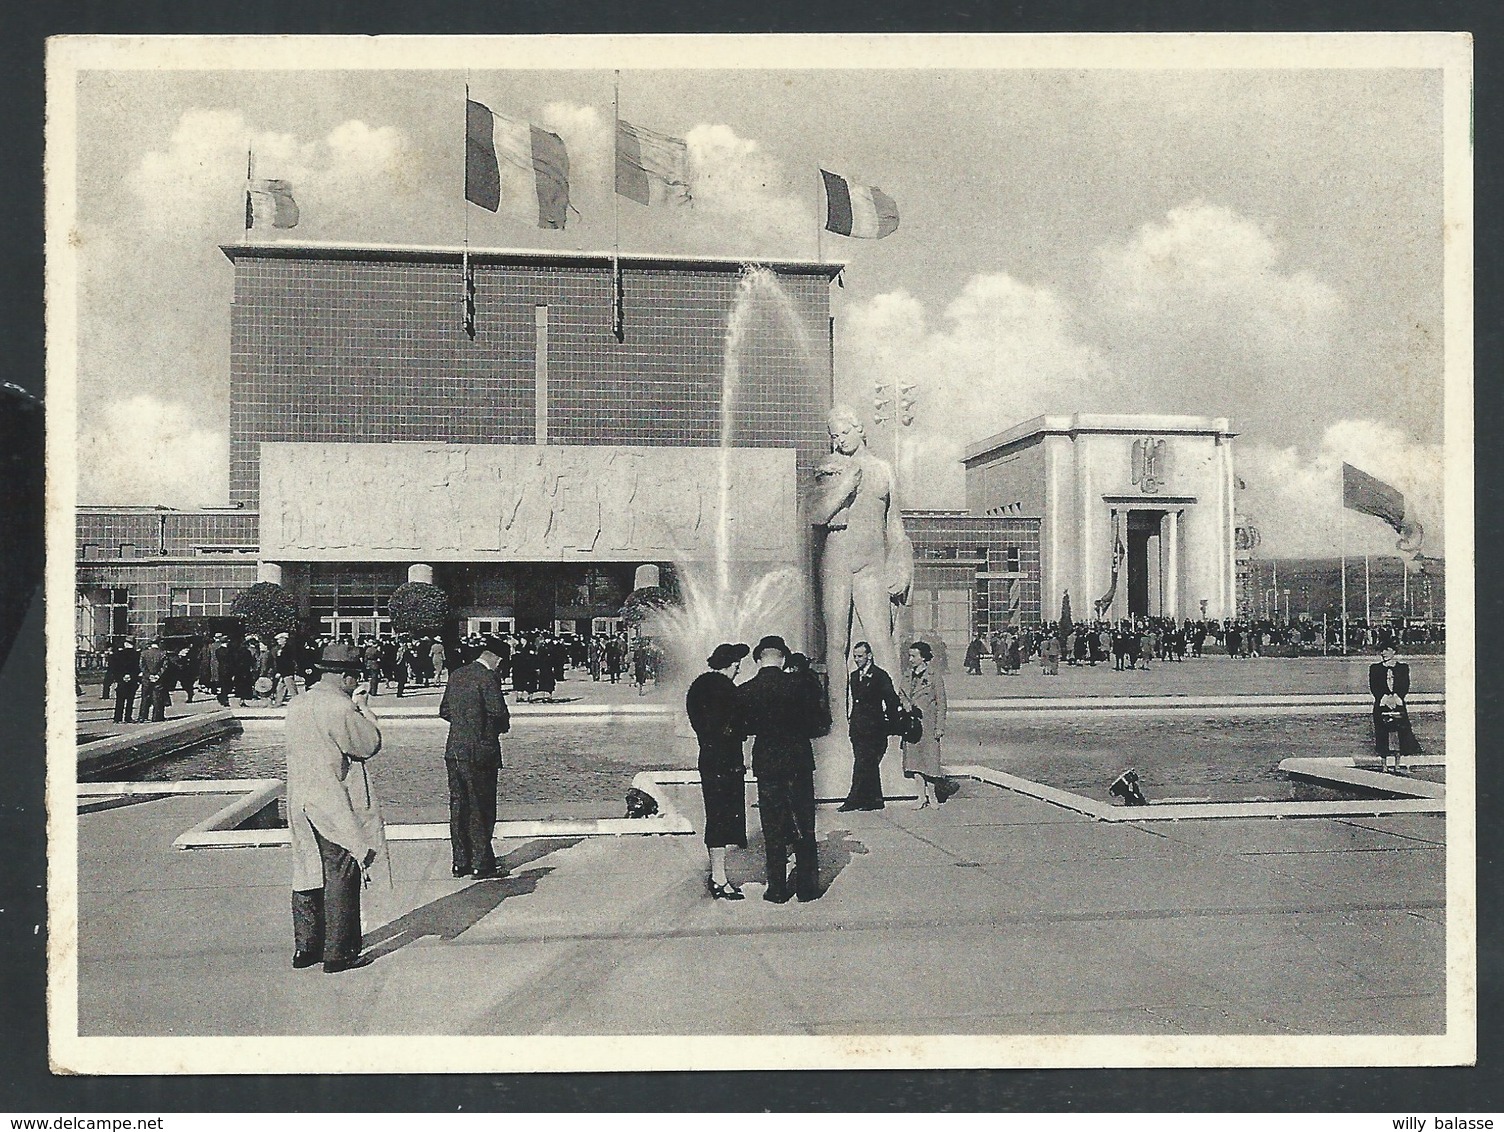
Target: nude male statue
<point>868,563</point>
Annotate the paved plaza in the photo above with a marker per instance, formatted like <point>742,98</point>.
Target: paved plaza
<point>995,914</point>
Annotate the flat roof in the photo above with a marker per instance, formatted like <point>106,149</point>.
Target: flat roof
<point>1096,422</point>
<point>160,509</point>
<point>413,253</point>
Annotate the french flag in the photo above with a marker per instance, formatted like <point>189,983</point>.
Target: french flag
<point>531,160</point>
<point>863,211</point>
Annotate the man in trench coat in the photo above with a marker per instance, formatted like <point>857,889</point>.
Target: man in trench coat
<point>333,813</point>
<point>477,713</point>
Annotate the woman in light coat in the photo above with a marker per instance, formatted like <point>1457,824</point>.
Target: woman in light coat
<point>924,692</point>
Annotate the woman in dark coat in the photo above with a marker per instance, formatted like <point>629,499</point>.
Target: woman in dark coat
<point>711,704</point>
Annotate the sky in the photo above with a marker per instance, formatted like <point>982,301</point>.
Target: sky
<point>1260,245</point>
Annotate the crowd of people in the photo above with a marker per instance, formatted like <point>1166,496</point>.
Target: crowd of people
<point>252,670</point>
<point>1135,643</point>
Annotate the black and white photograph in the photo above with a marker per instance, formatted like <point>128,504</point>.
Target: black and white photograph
<point>764,552</point>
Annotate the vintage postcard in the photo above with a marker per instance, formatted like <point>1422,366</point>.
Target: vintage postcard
<point>631,553</point>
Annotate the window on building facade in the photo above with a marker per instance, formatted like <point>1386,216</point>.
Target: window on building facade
<point>89,550</point>
<point>127,550</point>
<point>356,593</point>
<point>1014,559</point>
<point>202,601</point>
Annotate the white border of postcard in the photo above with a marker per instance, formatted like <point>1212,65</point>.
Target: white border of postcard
<point>66,57</point>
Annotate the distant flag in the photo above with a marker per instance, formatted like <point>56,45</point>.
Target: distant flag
<point>1362,492</point>
<point>864,211</point>
<point>270,202</point>
<point>491,140</point>
<point>651,168</point>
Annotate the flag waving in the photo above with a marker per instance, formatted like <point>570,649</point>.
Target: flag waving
<point>493,142</point>
<point>864,211</point>
<point>651,168</point>
<point>270,202</point>
<point>1362,492</point>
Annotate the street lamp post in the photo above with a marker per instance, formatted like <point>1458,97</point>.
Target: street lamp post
<point>899,409</point>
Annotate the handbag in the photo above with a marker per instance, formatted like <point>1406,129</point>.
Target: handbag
<point>263,686</point>
<point>913,726</point>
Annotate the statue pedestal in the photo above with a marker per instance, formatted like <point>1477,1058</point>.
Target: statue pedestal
<point>833,770</point>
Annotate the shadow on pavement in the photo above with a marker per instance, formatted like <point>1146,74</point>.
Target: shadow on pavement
<point>835,850</point>
<point>450,916</point>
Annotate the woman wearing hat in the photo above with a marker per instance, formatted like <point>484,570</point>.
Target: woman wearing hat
<point>924,691</point>
<point>712,707</point>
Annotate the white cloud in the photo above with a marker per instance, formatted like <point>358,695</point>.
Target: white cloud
<point>738,183</point>
<point>1003,352</point>
<point>1295,500</point>
<point>587,137</point>
<point>145,450</point>
<point>156,290</point>
<point>1199,316</point>
<point>1192,314</point>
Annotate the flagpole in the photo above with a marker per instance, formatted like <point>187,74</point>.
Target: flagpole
<point>248,183</point>
<point>1344,582</point>
<point>466,318</point>
<point>618,316</point>
<point>819,220</point>
<point>1367,596</point>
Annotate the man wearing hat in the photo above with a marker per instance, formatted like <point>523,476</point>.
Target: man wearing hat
<point>155,679</point>
<point>333,815</point>
<point>476,709</point>
<point>711,704</point>
<point>1393,736</point>
<point>125,673</point>
<point>777,708</point>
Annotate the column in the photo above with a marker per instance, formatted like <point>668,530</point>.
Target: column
<point>1169,571</point>
<point>420,572</point>
<point>540,374</point>
<point>269,572</point>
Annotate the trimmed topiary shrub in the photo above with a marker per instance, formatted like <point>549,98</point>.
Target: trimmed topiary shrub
<point>642,604</point>
<point>418,609</point>
<point>267,608</point>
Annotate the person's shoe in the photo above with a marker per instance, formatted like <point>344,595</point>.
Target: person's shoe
<point>773,897</point>
<point>847,806</point>
<point>457,871</point>
<point>336,966</point>
<point>301,959</point>
<point>493,873</point>
<point>806,896</point>
<point>727,891</point>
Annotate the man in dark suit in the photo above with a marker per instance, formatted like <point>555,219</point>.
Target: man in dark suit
<point>873,708</point>
<point>156,677</point>
<point>1389,681</point>
<point>781,711</point>
<point>125,674</point>
<point>477,713</point>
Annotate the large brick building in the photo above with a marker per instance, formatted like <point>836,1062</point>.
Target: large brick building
<point>528,467</point>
